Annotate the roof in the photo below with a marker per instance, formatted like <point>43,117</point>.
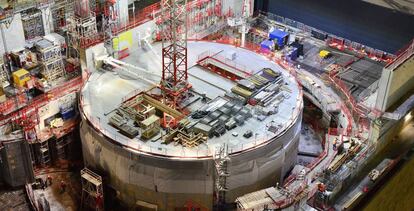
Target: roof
<point>150,120</point>
<point>267,44</point>
<point>277,33</point>
<point>43,43</point>
<point>20,73</point>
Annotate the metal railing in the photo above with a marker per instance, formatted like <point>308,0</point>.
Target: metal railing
<point>407,53</point>
<point>331,39</point>
<point>134,145</point>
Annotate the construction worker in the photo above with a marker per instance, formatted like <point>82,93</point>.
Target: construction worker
<point>42,184</point>
<point>99,201</point>
<point>49,180</point>
<point>62,186</point>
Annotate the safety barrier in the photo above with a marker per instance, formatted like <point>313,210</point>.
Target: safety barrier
<point>240,70</point>
<point>404,55</point>
<point>41,100</point>
<point>331,40</point>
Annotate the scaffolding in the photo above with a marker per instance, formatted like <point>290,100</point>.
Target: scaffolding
<point>204,17</point>
<point>221,161</point>
<point>92,190</point>
<point>4,75</point>
<point>82,31</point>
<point>32,23</point>
<point>50,56</point>
<point>62,10</point>
<point>25,116</point>
<point>62,147</point>
<point>44,153</point>
<point>20,6</point>
<point>174,82</point>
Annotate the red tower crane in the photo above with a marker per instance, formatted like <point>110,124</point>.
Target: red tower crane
<point>174,83</point>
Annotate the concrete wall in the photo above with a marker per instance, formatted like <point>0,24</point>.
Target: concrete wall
<point>12,36</point>
<point>16,163</point>
<point>394,84</point>
<point>123,11</point>
<point>141,32</point>
<point>52,108</point>
<point>87,57</point>
<point>382,134</point>
<point>171,183</point>
<point>47,20</point>
<point>236,6</point>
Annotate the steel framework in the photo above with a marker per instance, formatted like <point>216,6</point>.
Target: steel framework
<point>92,190</point>
<point>174,50</point>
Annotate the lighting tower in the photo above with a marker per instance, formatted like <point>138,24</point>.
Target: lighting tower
<point>174,51</point>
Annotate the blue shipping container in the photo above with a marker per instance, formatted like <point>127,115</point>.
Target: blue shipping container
<point>267,45</point>
<point>67,113</point>
<point>279,36</point>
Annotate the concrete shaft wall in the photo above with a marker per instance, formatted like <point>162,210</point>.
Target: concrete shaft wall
<point>16,163</point>
<point>394,84</point>
<point>170,183</point>
<point>12,36</point>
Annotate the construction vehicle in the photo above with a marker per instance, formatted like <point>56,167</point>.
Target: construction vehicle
<point>324,54</point>
<point>21,77</point>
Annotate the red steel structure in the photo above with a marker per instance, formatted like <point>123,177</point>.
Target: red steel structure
<point>174,51</point>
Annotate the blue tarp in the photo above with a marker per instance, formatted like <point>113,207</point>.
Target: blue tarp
<point>293,54</point>
<point>280,37</point>
<point>267,44</point>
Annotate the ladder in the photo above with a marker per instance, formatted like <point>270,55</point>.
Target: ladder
<point>44,156</point>
<point>221,161</point>
<point>92,190</point>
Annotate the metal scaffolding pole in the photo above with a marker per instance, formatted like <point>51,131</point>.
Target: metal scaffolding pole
<point>92,190</point>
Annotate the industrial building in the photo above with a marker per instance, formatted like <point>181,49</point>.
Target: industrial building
<point>191,105</point>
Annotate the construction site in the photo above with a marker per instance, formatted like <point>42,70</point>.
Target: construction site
<point>193,105</point>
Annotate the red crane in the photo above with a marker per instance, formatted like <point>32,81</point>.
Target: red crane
<point>174,83</point>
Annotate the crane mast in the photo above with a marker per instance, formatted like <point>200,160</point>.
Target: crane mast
<point>174,83</point>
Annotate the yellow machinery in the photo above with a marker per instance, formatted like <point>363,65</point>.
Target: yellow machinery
<point>324,54</point>
<point>20,77</point>
<point>242,92</point>
<point>150,127</point>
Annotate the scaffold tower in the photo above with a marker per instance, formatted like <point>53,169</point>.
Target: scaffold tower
<point>82,29</point>
<point>174,50</point>
<point>92,190</point>
<point>221,161</point>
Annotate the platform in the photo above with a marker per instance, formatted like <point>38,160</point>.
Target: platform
<point>105,91</point>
